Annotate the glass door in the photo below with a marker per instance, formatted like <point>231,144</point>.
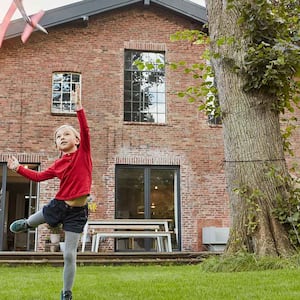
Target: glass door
<point>149,192</point>
<point>18,200</point>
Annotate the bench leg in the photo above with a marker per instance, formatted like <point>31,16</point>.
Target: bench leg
<point>159,244</point>
<point>95,243</point>
<point>130,243</point>
<point>169,243</point>
<point>85,231</point>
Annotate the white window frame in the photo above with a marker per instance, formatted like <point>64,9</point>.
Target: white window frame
<point>63,83</point>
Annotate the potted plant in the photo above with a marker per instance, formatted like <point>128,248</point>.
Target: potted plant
<point>55,234</point>
<point>62,246</point>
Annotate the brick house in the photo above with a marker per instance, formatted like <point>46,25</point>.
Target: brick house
<point>154,154</point>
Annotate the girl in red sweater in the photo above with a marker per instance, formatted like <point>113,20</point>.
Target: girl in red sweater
<point>69,207</point>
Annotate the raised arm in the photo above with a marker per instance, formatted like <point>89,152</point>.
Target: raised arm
<point>13,164</point>
<point>84,128</point>
<point>77,98</point>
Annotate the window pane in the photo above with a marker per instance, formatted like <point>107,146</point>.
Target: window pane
<point>161,118</point>
<point>67,77</point>
<point>57,77</point>
<point>127,116</point>
<point>66,87</point>
<point>162,194</point>
<point>130,193</point>
<point>56,87</point>
<point>75,78</point>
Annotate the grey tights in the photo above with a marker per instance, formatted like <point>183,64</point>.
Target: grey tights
<point>70,253</point>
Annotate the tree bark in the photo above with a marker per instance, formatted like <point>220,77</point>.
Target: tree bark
<point>252,142</point>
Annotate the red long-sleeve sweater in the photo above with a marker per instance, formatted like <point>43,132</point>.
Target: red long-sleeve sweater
<point>74,170</point>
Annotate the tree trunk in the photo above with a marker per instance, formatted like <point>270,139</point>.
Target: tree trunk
<point>252,142</point>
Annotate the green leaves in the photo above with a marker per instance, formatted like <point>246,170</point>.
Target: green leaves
<point>271,62</point>
<point>273,58</point>
<point>193,36</point>
<point>287,209</point>
<point>203,90</point>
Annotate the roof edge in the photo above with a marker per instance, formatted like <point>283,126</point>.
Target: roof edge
<point>86,8</point>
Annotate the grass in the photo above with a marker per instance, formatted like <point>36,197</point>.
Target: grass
<point>188,282</point>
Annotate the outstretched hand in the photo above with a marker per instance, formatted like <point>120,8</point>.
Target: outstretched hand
<point>77,98</point>
<point>13,163</point>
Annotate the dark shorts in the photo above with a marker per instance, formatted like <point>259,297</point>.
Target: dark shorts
<point>72,218</point>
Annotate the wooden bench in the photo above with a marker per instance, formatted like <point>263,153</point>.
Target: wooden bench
<point>163,238</point>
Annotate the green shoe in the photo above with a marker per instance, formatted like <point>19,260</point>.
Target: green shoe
<point>19,226</point>
<point>67,295</point>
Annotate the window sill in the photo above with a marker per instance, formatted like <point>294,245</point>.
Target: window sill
<point>67,114</point>
<point>144,123</point>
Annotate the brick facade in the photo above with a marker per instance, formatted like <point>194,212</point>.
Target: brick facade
<point>97,52</point>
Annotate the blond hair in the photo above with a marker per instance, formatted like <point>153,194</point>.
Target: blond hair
<point>76,133</point>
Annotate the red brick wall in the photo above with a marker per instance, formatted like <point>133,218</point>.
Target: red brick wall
<point>97,52</point>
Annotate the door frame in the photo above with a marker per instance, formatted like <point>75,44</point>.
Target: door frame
<point>3,219</point>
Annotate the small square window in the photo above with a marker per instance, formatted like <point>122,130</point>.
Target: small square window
<point>63,83</point>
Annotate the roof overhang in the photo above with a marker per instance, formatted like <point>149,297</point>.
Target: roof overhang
<point>84,9</point>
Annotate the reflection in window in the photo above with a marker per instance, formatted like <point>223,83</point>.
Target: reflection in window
<point>62,86</point>
<point>144,90</point>
<point>212,102</point>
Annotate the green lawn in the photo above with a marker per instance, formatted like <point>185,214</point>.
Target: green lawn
<point>149,283</point>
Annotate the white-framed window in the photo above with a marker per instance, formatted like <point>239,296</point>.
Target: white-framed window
<point>63,83</point>
<point>144,89</point>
